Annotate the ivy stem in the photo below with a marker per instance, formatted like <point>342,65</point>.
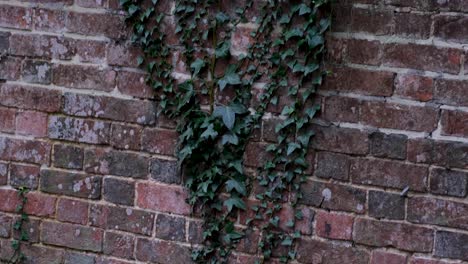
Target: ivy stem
<point>212,68</point>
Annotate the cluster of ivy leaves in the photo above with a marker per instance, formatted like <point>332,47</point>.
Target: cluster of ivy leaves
<point>285,57</point>
<point>19,226</point>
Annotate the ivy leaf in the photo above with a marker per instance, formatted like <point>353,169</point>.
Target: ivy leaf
<point>222,50</point>
<point>234,202</point>
<point>230,138</point>
<point>292,147</point>
<point>221,17</point>
<point>304,9</point>
<point>227,114</point>
<point>230,77</point>
<point>285,19</point>
<point>295,32</point>
<point>287,242</point>
<point>132,9</point>
<point>209,132</point>
<point>286,54</point>
<point>236,185</point>
<point>197,65</point>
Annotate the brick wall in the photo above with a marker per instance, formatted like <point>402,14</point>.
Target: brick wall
<point>77,126</point>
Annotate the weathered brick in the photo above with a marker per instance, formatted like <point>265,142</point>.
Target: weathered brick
<point>134,84</point>
<point>123,55</point>
<point>7,115</point>
<point>36,254</point>
<point>416,87</point>
<point>159,141</point>
<point>79,130</point>
<point>68,156</point>
<point>336,49</point>
<point>388,173</point>
<point>126,136</point>
<point>84,77</point>
<point>136,111</point>
<point>437,212</point>
<point>165,171</point>
<point>9,200</point>
<point>105,161</point>
<point>118,191</point>
<point>170,199</point>
<point>40,205</point>
<point>105,260</point>
<point>72,184</point>
<point>10,68</point>
<point>377,22</point>
<point>162,252</point>
<point>380,257</point>
<point>3,173</point>
<point>451,245</point>
<point>422,57</point>
<point>24,150</point>
<point>413,25</point>
<point>341,109</point>
<point>334,226</point>
<point>36,71</point>
<point>5,225</point>
<point>333,196</point>
<point>72,258</point>
<point>448,182</point>
<point>72,236</point>
<point>332,165</point>
<point>255,154</point>
<point>397,116</point>
<point>32,228</point>
<point>363,51</point>
<point>314,251</point>
<point>450,92</point>
<point>386,205</point>
<point>392,146</point>
<point>91,3</point>
<point>31,123</point>
<point>72,211</point>
<point>423,260</point>
<point>30,97</point>
<point>41,46</point>
<point>195,232</point>
<point>241,39</point>
<point>15,17</point>
<point>454,123</point>
<point>119,245</point>
<point>90,50</point>
<point>109,25</point>
<point>360,81</point>
<point>344,140</point>
<point>170,228</point>
<point>124,219</point>
<point>24,176</point>
<point>451,28</point>
<point>443,153</point>
<point>398,235</point>
<point>4,42</point>
<point>49,20</point>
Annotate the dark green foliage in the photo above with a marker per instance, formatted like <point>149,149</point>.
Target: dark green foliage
<point>18,256</point>
<point>213,134</point>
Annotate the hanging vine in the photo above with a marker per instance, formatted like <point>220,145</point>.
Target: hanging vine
<point>282,67</point>
<point>18,255</point>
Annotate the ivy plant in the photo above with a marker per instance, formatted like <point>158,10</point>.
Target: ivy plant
<point>18,255</point>
<point>279,73</point>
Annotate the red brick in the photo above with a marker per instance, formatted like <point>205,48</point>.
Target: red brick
<point>287,214</point>
<point>343,140</point>
<point>414,87</point>
<point>119,245</point>
<point>40,254</point>
<point>422,260</point>
<point>68,156</point>
<point>24,176</point>
<point>162,252</point>
<point>36,71</point>
<point>386,173</point>
<point>134,84</point>
<point>94,24</point>
<point>451,92</point>
<point>373,21</point>
<point>241,39</point>
<point>123,55</point>
<point>72,211</point>
<point>31,123</point>
<point>72,236</point>
<point>79,130</point>
<point>451,28</point>
<point>437,212</point>
<point>42,46</point>
<point>380,257</point>
<point>363,51</point>
<point>90,50</point>
<point>56,3</point>
<point>256,155</point>
<point>314,251</point>
<point>443,153</point>
<point>84,77</point>
<point>423,57</point>
<point>135,111</point>
<point>126,136</point>
<point>159,141</point>
<point>413,25</point>
<point>398,235</point>
<point>24,150</point>
<point>10,68</point>
<point>7,115</point>
<point>396,116</point>
<point>334,226</point>
<point>341,109</point>
<point>454,123</point>
<point>123,219</point>
<point>5,225</point>
<point>106,161</point>
<point>32,228</point>
<point>360,81</point>
<point>15,17</point>
<point>49,20</point>
<point>170,199</point>
<point>170,228</point>
<point>9,200</point>
<point>448,182</point>
<point>30,97</point>
<point>40,205</point>
<point>69,183</point>
<point>3,173</point>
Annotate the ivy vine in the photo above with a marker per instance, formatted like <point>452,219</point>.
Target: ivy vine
<point>18,255</point>
<point>281,68</point>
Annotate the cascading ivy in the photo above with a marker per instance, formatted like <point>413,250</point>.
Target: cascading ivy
<point>285,57</point>
<point>18,255</point>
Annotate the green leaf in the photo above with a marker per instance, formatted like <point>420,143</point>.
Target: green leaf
<point>197,65</point>
<point>236,185</point>
<point>287,242</point>
<point>234,202</point>
<point>285,19</point>
<point>230,138</point>
<point>295,32</point>
<point>227,114</point>
<point>221,17</point>
<point>304,9</point>
<point>230,77</point>
<point>292,147</point>
<point>209,132</point>
<point>222,50</point>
